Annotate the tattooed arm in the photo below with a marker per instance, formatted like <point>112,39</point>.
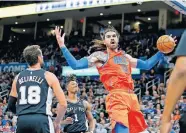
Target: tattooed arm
<point>147,64</point>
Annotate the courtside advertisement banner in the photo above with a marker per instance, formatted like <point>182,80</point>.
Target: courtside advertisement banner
<point>79,4</point>
<point>18,67</point>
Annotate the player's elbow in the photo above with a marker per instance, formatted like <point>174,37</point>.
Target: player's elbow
<point>63,104</point>
<point>75,67</point>
<point>80,64</point>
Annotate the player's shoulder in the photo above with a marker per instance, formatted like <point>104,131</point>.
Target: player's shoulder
<point>49,75</point>
<point>86,104</point>
<point>128,56</point>
<point>17,76</point>
<point>100,55</point>
<point>50,78</point>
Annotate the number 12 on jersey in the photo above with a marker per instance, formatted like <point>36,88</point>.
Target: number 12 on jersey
<point>33,96</point>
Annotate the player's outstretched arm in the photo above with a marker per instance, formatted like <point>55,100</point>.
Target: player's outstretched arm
<point>89,117</point>
<point>147,64</point>
<point>75,64</point>
<point>175,89</point>
<point>176,84</point>
<point>55,85</point>
<point>13,97</point>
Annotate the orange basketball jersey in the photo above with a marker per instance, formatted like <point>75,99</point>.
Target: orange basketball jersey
<point>116,72</point>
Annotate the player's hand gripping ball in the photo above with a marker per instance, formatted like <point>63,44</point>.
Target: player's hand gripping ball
<point>166,44</point>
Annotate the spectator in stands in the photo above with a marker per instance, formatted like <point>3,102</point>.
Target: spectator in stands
<point>144,77</point>
<point>102,116</point>
<point>152,74</point>
<point>150,109</point>
<point>158,114</point>
<point>6,128</point>
<point>5,120</point>
<point>147,96</point>
<point>155,96</point>
<point>177,107</point>
<point>162,101</point>
<point>100,127</point>
<point>158,107</point>
<point>150,123</point>
<point>177,115</point>
<point>183,105</point>
<point>161,89</point>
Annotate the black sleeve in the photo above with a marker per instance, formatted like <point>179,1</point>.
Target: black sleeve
<point>181,49</point>
<point>12,104</point>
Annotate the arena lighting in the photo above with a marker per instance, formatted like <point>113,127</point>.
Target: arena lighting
<point>16,22</point>
<point>149,19</point>
<point>109,22</point>
<point>48,19</point>
<point>24,30</point>
<point>139,10</point>
<point>61,27</point>
<point>101,14</point>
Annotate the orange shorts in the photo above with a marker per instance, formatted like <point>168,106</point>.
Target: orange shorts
<point>123,107</point>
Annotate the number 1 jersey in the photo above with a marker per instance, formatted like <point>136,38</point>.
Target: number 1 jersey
<point>77,112</point>
<point>34,94</point>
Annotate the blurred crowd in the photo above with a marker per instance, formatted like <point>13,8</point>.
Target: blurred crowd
<point>152,105</point>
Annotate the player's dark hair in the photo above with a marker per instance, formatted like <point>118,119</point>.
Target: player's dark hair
<point>99,44</point>
<point>70,78</point>
<point>31,54</point>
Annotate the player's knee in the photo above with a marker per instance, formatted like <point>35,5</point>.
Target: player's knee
<point>119,128</point>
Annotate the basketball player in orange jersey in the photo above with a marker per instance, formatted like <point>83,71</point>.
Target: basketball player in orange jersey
<point>174,91</point>
<point>114,67</point>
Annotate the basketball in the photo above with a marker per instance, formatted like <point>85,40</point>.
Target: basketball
<point>165,44</point>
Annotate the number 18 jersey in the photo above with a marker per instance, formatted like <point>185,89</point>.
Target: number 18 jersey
<point>34,94</point>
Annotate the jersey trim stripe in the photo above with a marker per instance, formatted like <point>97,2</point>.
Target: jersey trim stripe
<point>51,126</point>
<point>49,101</point>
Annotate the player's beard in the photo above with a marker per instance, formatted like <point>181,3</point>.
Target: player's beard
<point>113,45</point>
